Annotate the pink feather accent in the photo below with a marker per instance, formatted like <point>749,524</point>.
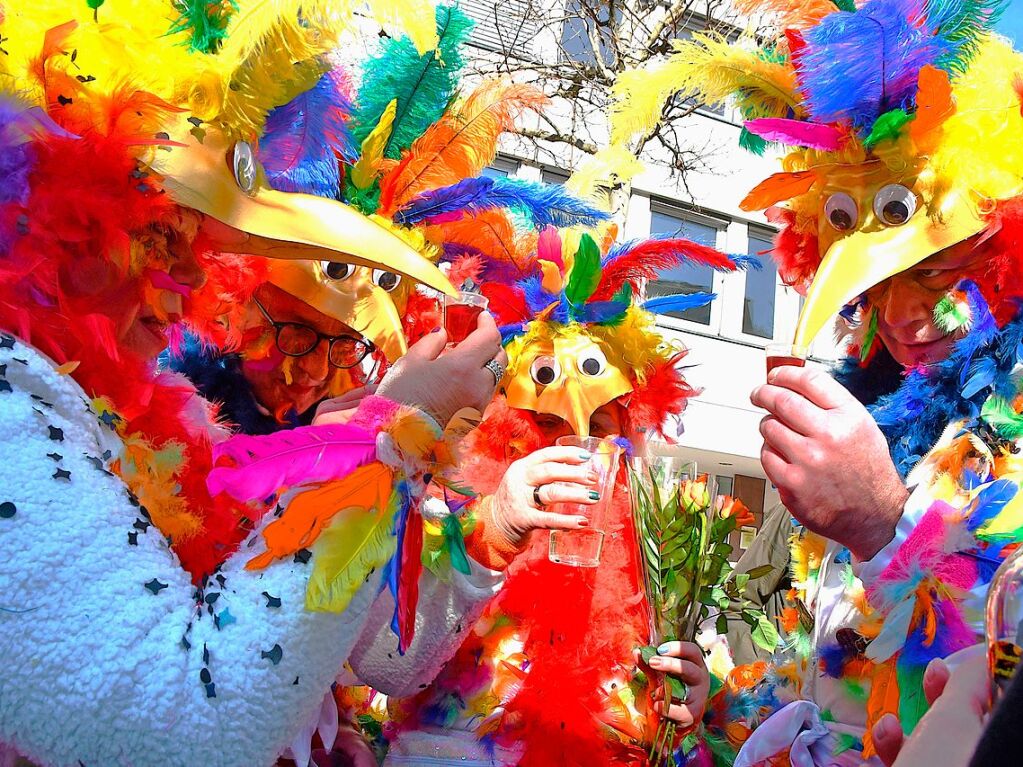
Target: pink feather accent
<point>548,247</point>
<point>260,466</point>
<point>163,281</point>
<point>826,138</point>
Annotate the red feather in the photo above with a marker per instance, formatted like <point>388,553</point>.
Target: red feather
<point>408,586</point>
<point>795,252</point>
<point>507,303</point>
<point>647,259</point>
<point>664,391</point>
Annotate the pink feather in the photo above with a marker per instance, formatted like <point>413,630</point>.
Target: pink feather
<point>260,466</point>
<point>548,247</point>
<point>826,138</point>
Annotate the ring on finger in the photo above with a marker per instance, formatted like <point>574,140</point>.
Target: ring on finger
<point>496,368</point>
<point>536,499</point>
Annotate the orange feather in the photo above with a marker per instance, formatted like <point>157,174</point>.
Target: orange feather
<point>492,233</point>
<point>460,144</point>
<point>778,187</point>
<point>884,699</point>
<point>306,515</point>
<point>934,105</point>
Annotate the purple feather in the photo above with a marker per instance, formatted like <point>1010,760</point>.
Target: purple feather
<point>305,137</point>
<point>857,66</point>
<point>545,204</point>
<point>265,464</point>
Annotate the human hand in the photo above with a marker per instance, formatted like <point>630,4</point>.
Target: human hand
<point>441,385</point>
<point>684,661</point>
<point>950,730</point>
<point>557,475</point>
<point>829,460</point>
<point>340,409</point>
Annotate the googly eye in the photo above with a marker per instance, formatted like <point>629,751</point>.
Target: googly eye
<point>894,204</point>
<point>592,362</point>
<point>841,212</point>
<point>244,162</point>
<point>545,370</point>
<point>387,281</point>
<point>337,270</point>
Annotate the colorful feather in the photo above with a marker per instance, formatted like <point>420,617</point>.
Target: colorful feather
<point>857,66</point>
<point>585,275</point>
<point>678,303</point>
<point>630,263</point>
<point>778,188</point>
<point>934,105</point>
<point>306,137</point>
<point>507,302</point>
<point>962,23</point>
<point>365,171</point>
<point>204,21</point>
<point>548,247</point>
<point>260,466</point>
<point>827,138</point>
<point>492,234</point>
<point>422,85</point>
<point>887,127</point>
<point>460,144</point>
<point>410,552</point>
<point>545,204</point>
<point>309,512</point>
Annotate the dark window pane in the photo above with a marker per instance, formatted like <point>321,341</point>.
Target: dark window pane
<point>492,172</point>
<point>552,176</point>
<point>758,306</point>
<point>688,278</point>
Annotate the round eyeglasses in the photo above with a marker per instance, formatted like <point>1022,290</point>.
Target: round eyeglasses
<point>296,339</point>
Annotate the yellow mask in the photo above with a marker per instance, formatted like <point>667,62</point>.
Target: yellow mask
<point>875,223</point>
<point>569,377</point>
<point>369,301</point>
<point>227,184</point>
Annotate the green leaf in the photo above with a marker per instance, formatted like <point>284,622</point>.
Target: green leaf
<point>679,690</point>
<point>647,652</point>
<point>760,572</point>
<point>721,625</point>
<point>741,581</point>
<point>765,635</point>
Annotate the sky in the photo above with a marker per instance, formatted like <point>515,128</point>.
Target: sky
<point>1011,23</point>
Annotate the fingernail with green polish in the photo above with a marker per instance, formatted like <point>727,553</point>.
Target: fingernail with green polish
<point>594,495</point>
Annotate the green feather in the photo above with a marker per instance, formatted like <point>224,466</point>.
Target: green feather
<point>455,544</point>
<point>962,23</point>
<point>751,142</point>
<point>585,272</point>
<point>869,336</point>
<point>998,413</point>
<point>423,85</point>
<point>846,5</point>
<point>887,126</point>
<point>912,703</point>
<point>365,200</point>
<point>951,315</point>
<point>206,21</point>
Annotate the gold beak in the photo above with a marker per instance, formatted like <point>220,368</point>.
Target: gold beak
<point>205,174</point>
<point>864,259</point>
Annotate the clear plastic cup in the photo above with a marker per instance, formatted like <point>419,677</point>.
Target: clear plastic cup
<point>461,313</point>
<point>581,548</point>
<point>785,354</point>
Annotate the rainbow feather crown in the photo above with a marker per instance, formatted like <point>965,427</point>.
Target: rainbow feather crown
<point>901,119</point>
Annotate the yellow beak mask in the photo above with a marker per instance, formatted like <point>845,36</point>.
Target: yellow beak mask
<point>569,377</point>
<point>203,171</point>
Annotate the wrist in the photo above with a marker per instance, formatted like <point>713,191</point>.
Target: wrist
<point>881,528</point>
<point>490,543</point>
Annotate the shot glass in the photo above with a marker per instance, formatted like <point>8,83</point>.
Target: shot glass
<point>785,354</point>
<point>461,313</point>
<point>581,548</point>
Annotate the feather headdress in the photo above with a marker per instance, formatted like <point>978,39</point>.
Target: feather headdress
<point>898,115</point>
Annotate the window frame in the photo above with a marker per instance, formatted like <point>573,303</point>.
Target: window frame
<point>762,233</point>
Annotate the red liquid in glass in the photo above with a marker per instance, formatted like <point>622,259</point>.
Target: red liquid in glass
<point>777,362</point>
<point>460,320</point>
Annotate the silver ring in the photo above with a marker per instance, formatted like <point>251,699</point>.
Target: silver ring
<point>497,369</point>
<point>536,499</point>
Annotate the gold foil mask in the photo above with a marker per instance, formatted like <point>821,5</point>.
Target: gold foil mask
<point>569,377</point>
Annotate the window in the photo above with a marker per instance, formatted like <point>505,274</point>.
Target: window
<point>506,26</point>
<point>688,278</point>
<point>724,485</point>
<point>580,18</point>
<point>501,167</point>
<point>553,176</point>
<point>761,284</point>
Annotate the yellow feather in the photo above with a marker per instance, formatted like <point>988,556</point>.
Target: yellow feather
<point>612,163</point>
<point>367,168</point>
<point>416,19</point>
<point>709,68</point>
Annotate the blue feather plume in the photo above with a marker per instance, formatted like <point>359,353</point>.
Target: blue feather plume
<point>678,303</point>
<point>858,66</point>
<point>304,138</point>
<point>990,502</point>
<point>545,204</point>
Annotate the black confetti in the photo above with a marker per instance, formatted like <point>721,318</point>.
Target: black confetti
<point>274,654</point>
<point>55,456</point>
<point>302,556</point>
<point>295,682</point>
<point>62,474</point>
<point>3,372</point>
<point>7,510</point>
<point>133,538</point>
<point>96,462</point>
<point>107,455</point>
<point>211,598</point>
<point>57,435</point>
<point>164,136</point>
<point>205,654</point>
<point>185,643</point>
<point>221,580</point>
<point>205,676</point>
<point>155,586</point>
<point>5,386</point>
<point>85,78</point>
<point>20,361</point>
<point>6,342</point>
<point>272,601</point>
<point>195,121</point>
<point>211,690</point>
<point>141,525</point>
<point>64,100</point>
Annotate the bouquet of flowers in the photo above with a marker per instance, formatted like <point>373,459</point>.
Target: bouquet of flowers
<point>683,530</point>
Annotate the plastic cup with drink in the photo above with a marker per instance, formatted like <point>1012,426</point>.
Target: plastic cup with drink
<point>461,313</point>
<point>785,354</point>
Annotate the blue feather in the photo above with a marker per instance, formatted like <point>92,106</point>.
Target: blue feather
<point>600,312</point>
<point>678,303</point>
<point>304,138</point>
<point>537,299</point>
<point>545,204</point>
<point>857,66</point>
<point>990,502</point>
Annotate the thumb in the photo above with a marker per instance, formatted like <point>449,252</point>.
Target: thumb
<point>935,678</point>
<point>887,735</point>
<point>429,346</point>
